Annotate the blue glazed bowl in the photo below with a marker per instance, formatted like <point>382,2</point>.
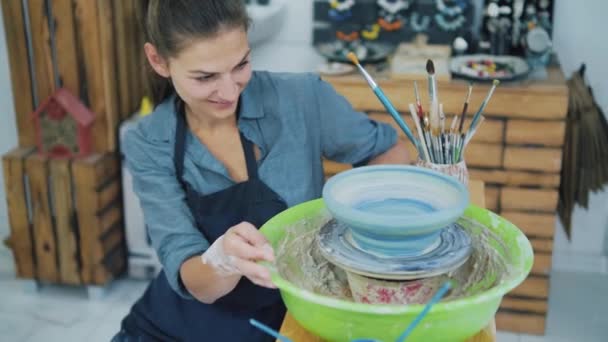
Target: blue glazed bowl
<point>395,209</point>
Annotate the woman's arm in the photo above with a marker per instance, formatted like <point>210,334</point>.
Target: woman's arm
<point>204,283</point>
<point>349,136</point>
<point>170,224</point>
<point>398,154</point>
<point>234,254</point>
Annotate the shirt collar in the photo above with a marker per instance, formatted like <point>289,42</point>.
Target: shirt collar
<point>250,102</point>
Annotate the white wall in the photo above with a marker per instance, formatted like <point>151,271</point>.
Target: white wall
<point>290,49</point>
<point>580,36</point>
<point>8,131</point>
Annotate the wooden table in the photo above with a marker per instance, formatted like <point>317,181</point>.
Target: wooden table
<point>296,333</point>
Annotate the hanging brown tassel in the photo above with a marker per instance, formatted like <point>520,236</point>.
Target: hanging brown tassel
<point>585,153</point>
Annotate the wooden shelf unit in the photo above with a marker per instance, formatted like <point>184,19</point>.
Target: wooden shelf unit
<point>517,152</point>
<point>66,217</point>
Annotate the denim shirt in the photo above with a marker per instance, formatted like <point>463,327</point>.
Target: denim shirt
<point>294,119</point>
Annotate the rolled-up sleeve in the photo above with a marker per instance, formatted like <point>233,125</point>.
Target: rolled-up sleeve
<point>168,219</point>
<point>348,136</point>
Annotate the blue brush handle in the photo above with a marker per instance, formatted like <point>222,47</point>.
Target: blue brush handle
<point>476,117</point>
<point>389,107</point>
<point>268,330</point>
<point>436,298</point>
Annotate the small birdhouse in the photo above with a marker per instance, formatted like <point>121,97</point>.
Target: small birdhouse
<point>63,126</point>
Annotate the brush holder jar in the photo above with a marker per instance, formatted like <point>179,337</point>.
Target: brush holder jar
<point>458,170</point>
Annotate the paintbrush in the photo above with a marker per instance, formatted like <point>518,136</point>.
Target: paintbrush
<point>418,103</point>
<point>452,138</point>
<point>471,133</point>
<point>384,100</point>
<point>443,137</point>
<point>436,298</point>
<point>465,107</point>
<point>434,112</point>
<point>461,146</point>
<point>458,148</point>
<point>269,330</point>
<point>434,120</point>
<point>441,119</point>
<point>428,139</point>
<point>483,105</point>
<point>420,134</point>
<point>430,69</point>
<point>454,124</point>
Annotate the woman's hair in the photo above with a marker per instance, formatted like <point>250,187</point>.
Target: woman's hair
<point>171,25</point>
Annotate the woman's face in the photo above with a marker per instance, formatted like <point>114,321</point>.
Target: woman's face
<point>210,74</point>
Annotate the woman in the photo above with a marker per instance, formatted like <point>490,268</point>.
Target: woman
<point>225,150</point>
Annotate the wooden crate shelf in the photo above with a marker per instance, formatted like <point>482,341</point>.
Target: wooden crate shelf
<point>524,199</point>
<point>516,178</point>
<point>532,305</point>
<point>521,321</point>
<point>99,58</point>
<point>533,159</point>
<point>526,132</point>
<point>517,152</point>
<point>65,217</point>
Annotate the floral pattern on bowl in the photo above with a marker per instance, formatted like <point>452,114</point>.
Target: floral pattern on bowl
<point>377,291</point>
<point>458,170</point>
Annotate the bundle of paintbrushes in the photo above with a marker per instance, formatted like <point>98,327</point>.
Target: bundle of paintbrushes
<point>436,143</point>
<point>441,144</point>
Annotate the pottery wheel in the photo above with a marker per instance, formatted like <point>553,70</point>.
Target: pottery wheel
<point>337,246</point>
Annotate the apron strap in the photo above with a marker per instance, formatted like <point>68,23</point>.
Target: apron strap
<point>252,164</point>
<point>179,148</point>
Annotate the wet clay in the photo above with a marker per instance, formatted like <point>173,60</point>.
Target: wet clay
<point>299,261</point>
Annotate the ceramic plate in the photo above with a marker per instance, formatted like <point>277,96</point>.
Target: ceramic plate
<point>453,249</point>
<point>488,67</point>
<point>376,52</point>
<point>335,69</point>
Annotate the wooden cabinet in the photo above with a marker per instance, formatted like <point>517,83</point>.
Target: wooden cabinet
<point>517,152</point>
<point>92,48</point>
<point>66,214</point>
<point>65,217</point>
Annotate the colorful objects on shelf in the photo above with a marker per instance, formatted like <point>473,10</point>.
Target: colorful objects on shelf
<point>489,68</point>
<point>383,24</point>
<point>507,23</point>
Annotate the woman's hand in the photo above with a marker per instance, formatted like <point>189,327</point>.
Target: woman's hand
<point>237,252</point>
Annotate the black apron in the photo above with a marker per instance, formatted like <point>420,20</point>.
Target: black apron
<point>161,314</point>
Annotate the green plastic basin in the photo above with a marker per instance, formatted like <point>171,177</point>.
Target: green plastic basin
<point>456,320</point>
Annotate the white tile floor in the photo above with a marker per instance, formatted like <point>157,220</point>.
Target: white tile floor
<point>578,310</point>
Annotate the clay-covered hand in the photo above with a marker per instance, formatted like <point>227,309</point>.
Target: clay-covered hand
<point>237,253</point>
